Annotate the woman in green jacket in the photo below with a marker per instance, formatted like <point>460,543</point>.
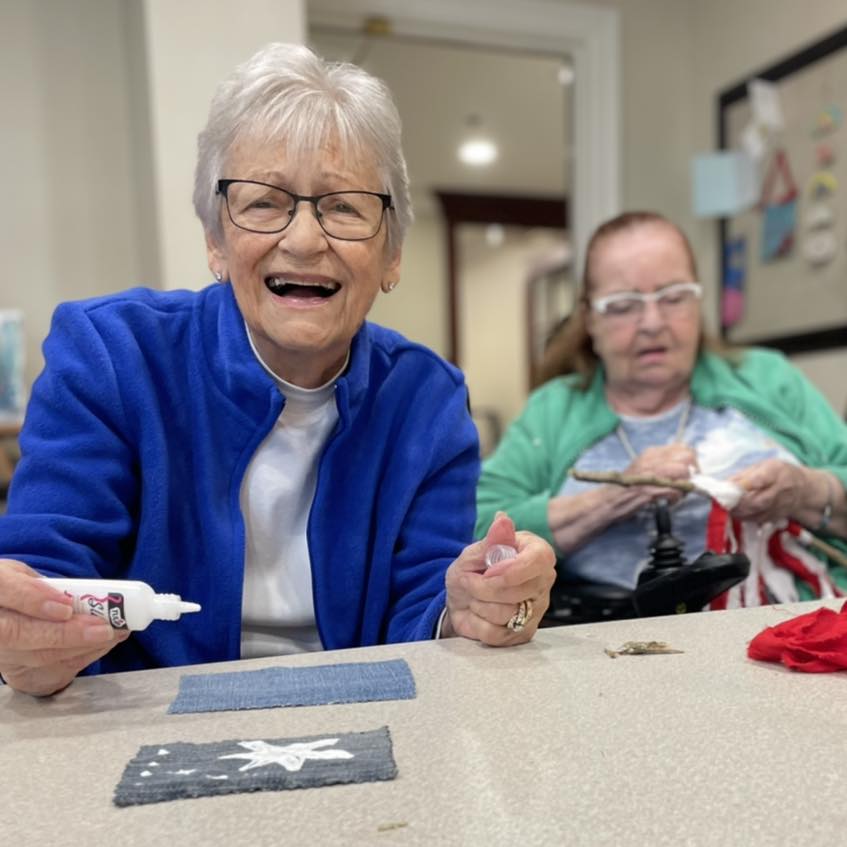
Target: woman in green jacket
<point>634,386</point>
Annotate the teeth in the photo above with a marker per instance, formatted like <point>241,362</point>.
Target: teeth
<point>277,283</point>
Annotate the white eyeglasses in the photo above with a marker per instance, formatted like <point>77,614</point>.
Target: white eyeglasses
<point>631,304</point>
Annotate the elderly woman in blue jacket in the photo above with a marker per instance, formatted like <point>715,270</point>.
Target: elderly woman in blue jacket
<point>256,446</point>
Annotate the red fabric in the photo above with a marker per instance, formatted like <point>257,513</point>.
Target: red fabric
<point>722,532</point>
<point>778,552</point>
<point>815,643</point>
<point>722,536</point>
<point>784,551</point>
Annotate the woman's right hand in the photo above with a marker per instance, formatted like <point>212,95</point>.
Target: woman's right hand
<point>671,461</point>
<point>43,644</point>
<point>576,518</point>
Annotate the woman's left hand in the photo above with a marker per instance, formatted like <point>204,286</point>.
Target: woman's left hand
<point>503,604</point>
<point>773,490</point>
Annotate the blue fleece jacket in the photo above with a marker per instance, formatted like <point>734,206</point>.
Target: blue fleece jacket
<point>136,440</point>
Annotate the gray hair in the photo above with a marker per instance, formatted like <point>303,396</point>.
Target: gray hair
<point>286,92</point>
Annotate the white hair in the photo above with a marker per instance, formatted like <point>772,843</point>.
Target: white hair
<point>287,93</point>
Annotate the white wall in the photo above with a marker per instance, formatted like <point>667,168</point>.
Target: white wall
<point>69,219</point>
<point>190,46</point>
<point>418,306</point>
<point>101,102</point>
<point>493,331</point>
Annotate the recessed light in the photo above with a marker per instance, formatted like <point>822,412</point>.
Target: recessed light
<point>566,75</point>
<point>478,152</point>
<point>495,234</point>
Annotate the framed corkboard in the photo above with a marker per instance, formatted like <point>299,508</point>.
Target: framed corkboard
<point>784,262</point>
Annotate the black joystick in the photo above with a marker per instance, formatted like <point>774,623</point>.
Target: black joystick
<point>666,550</point>
<point>668,585</point>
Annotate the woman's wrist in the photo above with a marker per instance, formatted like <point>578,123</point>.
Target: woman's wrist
<point>830,484</point>
<point>817,500</point>
<point>573,519</point>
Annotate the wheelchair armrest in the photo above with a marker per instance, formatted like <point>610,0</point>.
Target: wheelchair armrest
<point>577,601</point>
<point>668,591</point>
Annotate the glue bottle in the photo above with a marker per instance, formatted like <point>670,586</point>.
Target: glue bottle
<point>499,553</point>
<point>125,604</point>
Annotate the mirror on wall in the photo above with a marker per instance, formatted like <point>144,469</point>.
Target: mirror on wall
<point>486,133</point>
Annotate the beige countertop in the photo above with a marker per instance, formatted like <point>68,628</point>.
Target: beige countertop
<point>550,743</point>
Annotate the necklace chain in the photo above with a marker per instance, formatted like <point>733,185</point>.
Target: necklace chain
<point>680,431</point>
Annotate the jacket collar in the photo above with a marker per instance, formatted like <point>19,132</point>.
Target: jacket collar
<point>237,372</point>
<point>352,385</point>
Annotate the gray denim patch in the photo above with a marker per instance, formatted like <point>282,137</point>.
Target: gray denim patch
<point>352,682</point>
<point>181,769</point>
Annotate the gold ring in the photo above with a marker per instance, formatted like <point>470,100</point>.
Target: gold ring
<point>522,617</point>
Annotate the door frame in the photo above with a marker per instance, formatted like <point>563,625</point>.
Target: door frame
<point>589,35</point>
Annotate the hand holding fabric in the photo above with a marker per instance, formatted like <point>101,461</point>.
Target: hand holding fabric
<point>772,491</point>
<point>43,645</point>
<point>481,602</point>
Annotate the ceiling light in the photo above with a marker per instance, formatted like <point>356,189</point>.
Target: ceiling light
<point>495,234</point>
<point>566,74</point>
<point>478,152</point>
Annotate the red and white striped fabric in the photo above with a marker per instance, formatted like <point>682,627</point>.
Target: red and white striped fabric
<point>778,560</point>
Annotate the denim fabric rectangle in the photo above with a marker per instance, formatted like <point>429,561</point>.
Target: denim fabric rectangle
<point>356,682</point>
<point>181,769</point>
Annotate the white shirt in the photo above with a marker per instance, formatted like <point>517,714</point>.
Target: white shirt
<point>277,613</point>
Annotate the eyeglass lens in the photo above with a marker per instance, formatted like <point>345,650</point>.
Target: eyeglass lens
<point>264,208</point>
<point>629,305</point>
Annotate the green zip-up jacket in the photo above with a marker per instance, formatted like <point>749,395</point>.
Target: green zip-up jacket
<point>560,422</point>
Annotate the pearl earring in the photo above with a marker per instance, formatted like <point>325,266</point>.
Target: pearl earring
<point>388,287</point>
<point>219,276</point>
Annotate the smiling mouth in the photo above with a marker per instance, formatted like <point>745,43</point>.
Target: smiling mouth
<point>283,287</point>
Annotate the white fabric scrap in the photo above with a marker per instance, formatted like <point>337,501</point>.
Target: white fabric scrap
<point>726,493</point>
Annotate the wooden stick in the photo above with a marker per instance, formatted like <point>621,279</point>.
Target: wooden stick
<point>833,552</point>
<point>617,478</point>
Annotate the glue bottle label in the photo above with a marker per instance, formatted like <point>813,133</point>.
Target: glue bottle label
<point>109,607</point>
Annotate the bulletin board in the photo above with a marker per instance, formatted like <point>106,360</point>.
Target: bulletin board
<point>784,262</point>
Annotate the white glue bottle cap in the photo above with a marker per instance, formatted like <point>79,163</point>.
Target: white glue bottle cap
<point>169,607</point>
<point>124,603</point>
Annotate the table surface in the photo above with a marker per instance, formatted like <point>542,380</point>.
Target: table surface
<point>553,743</point>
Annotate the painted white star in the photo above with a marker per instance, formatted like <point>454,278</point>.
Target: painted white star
<point>290,756</point>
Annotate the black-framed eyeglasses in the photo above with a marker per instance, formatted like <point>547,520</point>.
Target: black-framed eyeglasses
<point>345,215</point>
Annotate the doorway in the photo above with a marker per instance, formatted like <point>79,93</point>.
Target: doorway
<point>509,86</point>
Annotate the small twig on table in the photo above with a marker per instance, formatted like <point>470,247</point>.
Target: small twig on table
<point>641,648</point>
<point>618,478</point>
